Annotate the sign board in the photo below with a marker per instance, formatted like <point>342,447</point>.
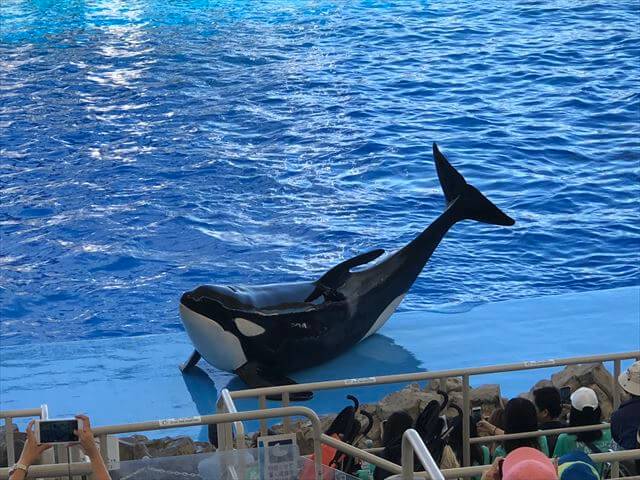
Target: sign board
<point>278,457</point>
<point>175,422</point>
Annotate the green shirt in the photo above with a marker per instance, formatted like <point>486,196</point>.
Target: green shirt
<point>542,443</point>
<point>569,443</point>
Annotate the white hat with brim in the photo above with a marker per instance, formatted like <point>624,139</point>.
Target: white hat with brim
<point>630,379</point>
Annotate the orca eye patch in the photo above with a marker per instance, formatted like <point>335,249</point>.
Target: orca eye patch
<point>248,328</point>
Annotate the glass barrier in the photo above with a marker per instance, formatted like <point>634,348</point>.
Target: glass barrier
<point>278,462</point>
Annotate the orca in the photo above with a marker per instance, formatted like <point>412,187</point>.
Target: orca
<point>263,332</point>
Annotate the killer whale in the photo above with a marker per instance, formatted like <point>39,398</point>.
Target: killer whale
<point>266,331</point>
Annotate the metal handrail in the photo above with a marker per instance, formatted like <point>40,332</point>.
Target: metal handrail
<point>27,412</point>
<point>538,433</point>
<point>421,376</point>
<point>465,373</point>
<point>80,468</point>
<point>412,443</point>
<point>361,454</point>
<point>225,434</point>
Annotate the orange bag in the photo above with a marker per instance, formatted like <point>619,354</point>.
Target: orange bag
<point>328,454</point>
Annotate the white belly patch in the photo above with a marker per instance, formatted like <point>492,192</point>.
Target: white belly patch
<point>220,348</point>
<point>384,316</point>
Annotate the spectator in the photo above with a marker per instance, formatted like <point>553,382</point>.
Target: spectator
<point>30,454</point>
<point>32,451</point>
<point>524,463</point>
<point>626,419</point>
<point>392,430</point>
<point>519,416</point>
<point>585,410</point>
<point>577,466</point>
<point>549,407</point>
<point>480,454</point>
<point>494,426</point>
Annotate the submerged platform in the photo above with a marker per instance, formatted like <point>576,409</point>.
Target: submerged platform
<point>120,380</point>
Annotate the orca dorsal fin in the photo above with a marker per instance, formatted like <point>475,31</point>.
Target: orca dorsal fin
<point>335,277</point>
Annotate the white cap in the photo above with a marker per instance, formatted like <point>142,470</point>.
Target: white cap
<point>584,397</point>
<point>630,379</point>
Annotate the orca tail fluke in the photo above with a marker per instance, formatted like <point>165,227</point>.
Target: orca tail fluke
<point>470,203</point>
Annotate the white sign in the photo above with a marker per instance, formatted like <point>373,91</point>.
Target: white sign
<point>540,363</point>
<point>180,421</point>
<point>356,381</point>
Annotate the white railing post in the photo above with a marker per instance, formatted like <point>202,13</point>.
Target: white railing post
<point>287,421</point>
<point>8,435</point>
<point>262,404</point>
<point>412,443</point>
<point>615,466</point>
<point>466,421</point>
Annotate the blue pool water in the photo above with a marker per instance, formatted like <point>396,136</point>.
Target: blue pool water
<point>148,147</point>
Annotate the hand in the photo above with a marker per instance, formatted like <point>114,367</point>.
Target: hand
<point>494,471</point>
<point>32,451</point>
<point>85,436</point>
<point>486,429</point>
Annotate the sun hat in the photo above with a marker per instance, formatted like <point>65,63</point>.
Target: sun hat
<point>526,463</point>
<point>577,465</point>
<point>584,397</point>
<point>630,379</point>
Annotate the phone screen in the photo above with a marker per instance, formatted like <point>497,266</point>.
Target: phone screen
<point>55,431</point>
<point>565,394</point>
<point>476,414</point>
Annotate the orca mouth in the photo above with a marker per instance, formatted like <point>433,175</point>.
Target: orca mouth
<point>188,299</point>
<point>202,305</point>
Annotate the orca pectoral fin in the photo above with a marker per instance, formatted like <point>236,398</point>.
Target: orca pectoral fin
<point>256,376</point>
<point>193,359</point>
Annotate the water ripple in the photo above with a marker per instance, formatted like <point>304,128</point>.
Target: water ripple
<point>150,146</point>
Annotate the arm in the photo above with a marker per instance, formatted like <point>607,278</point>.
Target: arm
<point>88,444</point>
<point>30,453</point>
<point>495,472</point>
<point>486,429</point>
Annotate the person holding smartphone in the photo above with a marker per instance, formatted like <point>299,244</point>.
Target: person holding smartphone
<point>32,451</point>
<point>548,402</point>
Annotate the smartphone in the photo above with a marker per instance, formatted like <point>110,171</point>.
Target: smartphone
<point>565,395</point>
<point>57,431</point>
<point>476,414</point>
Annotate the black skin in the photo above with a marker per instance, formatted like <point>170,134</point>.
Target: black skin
<point>309,323</point>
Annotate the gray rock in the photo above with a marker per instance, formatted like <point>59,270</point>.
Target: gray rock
<point>171,447</point>
<point>410,399</point>
<point>133,448</point>
<point>485,395</point>
<point>204,447</point>
<point>19,438</point>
